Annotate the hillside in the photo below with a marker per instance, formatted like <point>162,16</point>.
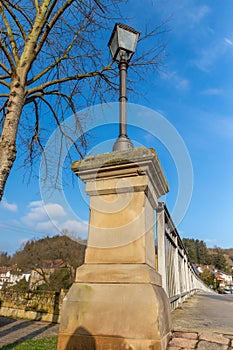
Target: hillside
<point>228,253</point>
<point>221,259</point>
<point>49,248</point>
<point>53,260</point>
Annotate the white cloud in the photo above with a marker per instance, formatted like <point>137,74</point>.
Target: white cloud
<point>51,219</point>
<point>9,206</point>
<point>212,92</point>
<point>213,53</point>
<point>55,210</point>
<point>176,80</point>
<point>79,227</point>
<point>198,14</point>
<point>35,204</point>
<point>46,226</point>
<point>228,41</point>
<point>182,84</point>
<point>38,213</point>
<point>183,13</point>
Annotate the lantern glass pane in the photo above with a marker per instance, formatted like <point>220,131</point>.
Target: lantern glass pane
<point>126,39</point>
<point>114,45</point>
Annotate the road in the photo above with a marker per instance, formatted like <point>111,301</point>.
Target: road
<point>212,312</point>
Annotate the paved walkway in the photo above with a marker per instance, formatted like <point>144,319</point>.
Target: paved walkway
<point>204,322</point>
<point>12,330</point>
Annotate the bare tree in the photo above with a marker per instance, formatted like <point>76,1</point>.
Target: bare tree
<point>50,53</point>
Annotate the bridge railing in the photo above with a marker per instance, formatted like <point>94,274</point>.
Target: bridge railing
<point>179,279</point>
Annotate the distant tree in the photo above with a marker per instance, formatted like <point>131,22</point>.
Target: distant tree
<point>218,259</point>
<point>202,253</point>
<point>5,259</point>
<point>209,278</point>
<point>59,279</point>
<point>197,251</point>
<point>190,247</point>
<point>51,53</point>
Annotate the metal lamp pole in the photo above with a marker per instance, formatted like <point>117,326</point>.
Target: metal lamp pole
<point>123,142</point>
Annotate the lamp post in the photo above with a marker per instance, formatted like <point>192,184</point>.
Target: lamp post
<point>122,46</point>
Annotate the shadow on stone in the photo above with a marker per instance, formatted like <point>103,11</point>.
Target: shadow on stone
<point>6,320</point>
<point>15,327</point>
<point>81,340</point>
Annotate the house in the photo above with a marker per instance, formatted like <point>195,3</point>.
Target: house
<point>225,279</point>
<point>11,275</point>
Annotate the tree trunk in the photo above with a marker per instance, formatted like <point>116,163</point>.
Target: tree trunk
<point>9,130</point>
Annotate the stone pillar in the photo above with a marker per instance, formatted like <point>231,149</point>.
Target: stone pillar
<point>117,301</point>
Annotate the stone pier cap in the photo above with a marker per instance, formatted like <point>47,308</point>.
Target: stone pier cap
<point>134,162</point>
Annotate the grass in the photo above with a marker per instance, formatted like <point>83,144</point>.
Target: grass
<point>49,343</point>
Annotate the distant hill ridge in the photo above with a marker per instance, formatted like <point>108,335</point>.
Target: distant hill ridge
<point>48,248</point>
<point>221,259</point>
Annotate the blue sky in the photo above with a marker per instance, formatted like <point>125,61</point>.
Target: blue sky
<point>193,91</point>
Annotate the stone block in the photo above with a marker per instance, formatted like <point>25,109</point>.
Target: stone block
<point>183,343</point>
<point>117,273</point>
<point>214,338</point>
<point>124,314</point>
<point>186,335</point>
<point>206,345</point>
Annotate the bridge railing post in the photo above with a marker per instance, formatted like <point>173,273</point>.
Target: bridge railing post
<point>178,276</point>
<point>160,231</point>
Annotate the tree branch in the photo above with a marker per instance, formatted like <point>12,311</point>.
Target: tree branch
<point>4,77</point>
<point>2,65</point>
<point>3,82</point>
<point>60,128</point>
<point>16,20</point>
<point>51,24</point>
<point>46,70</point>
<point>8,56</point>
<point>69,78</point>
<point>10,34</point>
<point>16,7</point>
<point>3,107</point>
<point>99,5</point>
<point>35,136</point>
<point>37,6</point>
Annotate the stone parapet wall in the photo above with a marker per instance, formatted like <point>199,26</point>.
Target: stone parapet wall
<point>44,306</point>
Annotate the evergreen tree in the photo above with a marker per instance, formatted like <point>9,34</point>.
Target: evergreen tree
<point>190,247</point>
<point>218,259</point>
<point>5,259</point>
<point>197,251</point>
